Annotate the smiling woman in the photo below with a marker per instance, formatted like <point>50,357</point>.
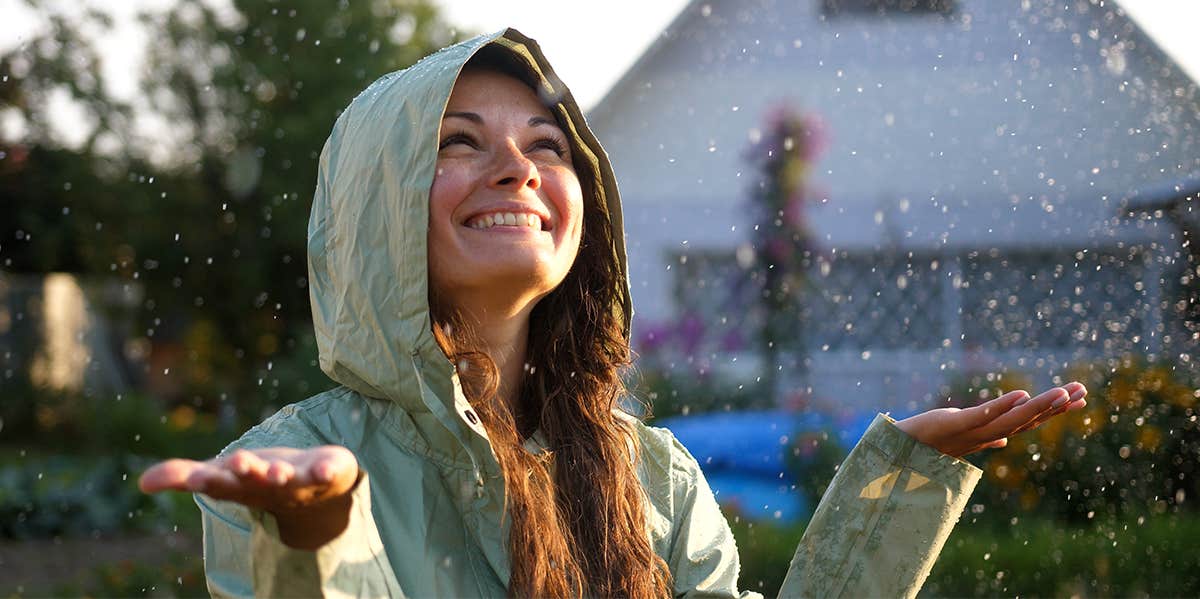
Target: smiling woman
<point>470,296</point>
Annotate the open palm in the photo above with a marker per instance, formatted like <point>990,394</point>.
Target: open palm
<point>958,432</point>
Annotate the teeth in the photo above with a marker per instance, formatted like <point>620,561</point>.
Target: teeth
<point>510,219</point>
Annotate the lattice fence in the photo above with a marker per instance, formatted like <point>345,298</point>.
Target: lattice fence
<point>1098,301</point>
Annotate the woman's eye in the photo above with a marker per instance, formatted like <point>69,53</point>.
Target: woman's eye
<point>457,138</point>
<point>552,144</point>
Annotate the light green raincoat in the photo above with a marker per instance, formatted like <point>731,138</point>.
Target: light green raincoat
<point>426,519</point>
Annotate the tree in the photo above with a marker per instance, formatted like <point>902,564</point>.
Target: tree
<point>209,217</point>
<point>781,239</point>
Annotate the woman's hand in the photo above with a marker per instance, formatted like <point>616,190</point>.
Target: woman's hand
<point>959,432</point>
<point>307,490</point>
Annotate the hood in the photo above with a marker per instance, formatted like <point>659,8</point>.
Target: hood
<point>368,279</point>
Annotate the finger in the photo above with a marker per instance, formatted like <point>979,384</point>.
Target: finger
<point>1076,402</point>
<point>1022,415</point>
<point>335,465</point>
<point>998,443</point>
<point>1041,418</point>
<point>1077,393</point>
<point>168,475</point>
<point>324,471</point>
<point>280,472</point>
<point>1075,389</point>
<point>247,465</point>
<point>986,412</point>
<point>214,480</point>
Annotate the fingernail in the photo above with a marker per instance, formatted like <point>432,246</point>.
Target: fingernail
<point>1021,400</point>
<point>1060,401</point>
<point>324,474</point>
<point>1077,395</point>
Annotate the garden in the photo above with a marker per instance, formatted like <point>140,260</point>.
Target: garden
<point>157,307</point>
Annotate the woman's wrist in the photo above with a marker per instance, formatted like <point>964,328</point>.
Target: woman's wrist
<point>311,527</point>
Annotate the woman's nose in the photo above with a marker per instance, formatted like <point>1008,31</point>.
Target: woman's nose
<point>514,170</point>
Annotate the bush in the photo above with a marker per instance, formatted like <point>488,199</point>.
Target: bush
<point>1132,451</point>
<point>766,551</point>
<point>1115,558</point>
<point>813,460</point>
<point>123,424</point>
<point>671,394</point>
<point>1026,557</point>
<point>43,497</point>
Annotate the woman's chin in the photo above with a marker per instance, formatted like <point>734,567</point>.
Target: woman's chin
<point>513,276</point>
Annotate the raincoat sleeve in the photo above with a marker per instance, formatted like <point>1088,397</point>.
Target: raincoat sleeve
<point>703,557</point>
<point>881,524</point>
<point>876,532</point>
<point>244,557</point>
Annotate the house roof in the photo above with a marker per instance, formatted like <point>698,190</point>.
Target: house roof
<point>694,8</point>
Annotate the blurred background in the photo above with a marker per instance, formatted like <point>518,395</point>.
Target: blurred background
<point>833,208</point>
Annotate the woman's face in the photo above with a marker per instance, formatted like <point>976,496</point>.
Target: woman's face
<point>505,212</point>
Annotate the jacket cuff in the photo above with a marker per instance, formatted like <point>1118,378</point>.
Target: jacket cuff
<point>884,519</point>
<point>280,570</point>
<point>904,450</point>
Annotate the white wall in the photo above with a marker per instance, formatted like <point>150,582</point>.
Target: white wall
<point>998,126</point>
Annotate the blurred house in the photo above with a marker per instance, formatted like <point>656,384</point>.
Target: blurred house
<point>974,197</point>
<point>56,334</point>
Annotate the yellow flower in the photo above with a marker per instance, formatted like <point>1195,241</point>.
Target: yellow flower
<point>1089,420</point>
<point>1124,393</point>
<point>1002,473</point>
<point>1154,379</point>
<point>1050,436</point>
<point>1030,499</point>
<point>1149,437</point>
<point>182,418</point>
<point>1183,396</point>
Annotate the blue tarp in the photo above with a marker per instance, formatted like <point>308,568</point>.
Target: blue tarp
<point>742,455</point>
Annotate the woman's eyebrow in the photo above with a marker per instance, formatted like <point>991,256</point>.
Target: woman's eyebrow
<point>541,120</point>
<point>470,116</point>
<point>475,118</point>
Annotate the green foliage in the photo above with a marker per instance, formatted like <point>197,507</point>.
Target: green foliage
<point>1024,557</point>
<point>813,459</point>
<point>120,425</point>
<point>766,551</point>
<point>672,394</point>
<point>57,495</point>
<point>208,220</point>
<point>1133,451</point>
<point>180,576</point>
<point>1152,556</point>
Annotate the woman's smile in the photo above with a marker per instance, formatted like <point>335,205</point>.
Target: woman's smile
<point>506,205</point>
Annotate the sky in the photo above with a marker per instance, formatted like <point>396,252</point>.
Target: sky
<point>571,37</point>
<point>626,28</point>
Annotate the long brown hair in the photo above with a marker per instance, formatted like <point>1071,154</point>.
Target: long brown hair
<point>578,514</point>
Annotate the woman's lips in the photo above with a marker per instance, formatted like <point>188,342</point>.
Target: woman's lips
<point>508,219</point>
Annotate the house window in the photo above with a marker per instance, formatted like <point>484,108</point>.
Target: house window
<point>1089,300</point>
<point>875,300</point>
<point>833,8</point>
<point>853,302</point>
